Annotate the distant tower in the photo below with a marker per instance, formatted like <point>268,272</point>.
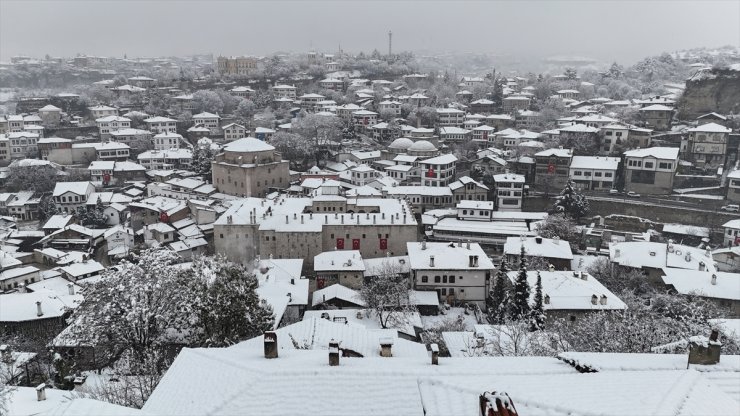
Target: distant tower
<point>390,43</point>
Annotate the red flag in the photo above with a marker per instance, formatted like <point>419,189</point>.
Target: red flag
<point>430,172</point>
<point>356,244</point>
<point>163,217</point>
<point>383,244</point>
<point>340,243</point>
<point>551,168</point>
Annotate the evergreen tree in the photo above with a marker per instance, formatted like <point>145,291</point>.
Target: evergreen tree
<point>520,306</point>
<point>538,311</point>
<point>497,299</point>
<point>571,202</point>
<point>47,208</point>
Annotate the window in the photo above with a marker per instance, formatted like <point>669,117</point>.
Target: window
<point>648,165</point>
<point>437,279</point>
<point>451,291</point>
<point>607,174</point>
<point>452,279</point>
<point>443,292</point>
<point>424,279</point>
<point>220,236</point>
<point>444,279</point>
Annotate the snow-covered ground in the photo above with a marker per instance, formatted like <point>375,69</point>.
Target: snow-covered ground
<point>688,190</point>
<point>702,196</point>
<point>449,316</point>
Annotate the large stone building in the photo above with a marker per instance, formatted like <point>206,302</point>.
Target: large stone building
<point>552,169</point>
<point>249,167</point>
<point>236,65</point>
<point>287,227</point>
<point>650,170</point>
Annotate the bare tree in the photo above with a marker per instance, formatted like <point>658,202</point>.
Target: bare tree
<point>388,294</point>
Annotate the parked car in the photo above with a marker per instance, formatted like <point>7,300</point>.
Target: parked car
<point>731,208</point>
<point>633,194</point>
<point>613,192</point>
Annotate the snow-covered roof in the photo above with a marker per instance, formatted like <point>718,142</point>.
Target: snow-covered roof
<point>725,286</point>
<point>567,290</point>
<point>248,144</point>
<point>159,119</point>
<point>77,188</point>
<point>206,115</point>
<point>666,153</point>
<point>50,107</point>
<point>56,222</point>
<point>594,162</point>
<point>239,380</point>
<point>441,160</point>
<point>711,128</point>
<point>113,118</point>
<point>640,254</point>
<point>538,246</point>
<point>337,291</point>
<point>508,178</point>
<point>81,269</point>
<point>447,256</point>
<point>339,260</point>
<point>21,307</point>
<point>687,229</point>
<point>555,152</point>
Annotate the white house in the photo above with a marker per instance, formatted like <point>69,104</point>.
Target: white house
<point>457,272</point>
<point>284,91</point>
<point>594,172</point>
<point>234,131</point>
<point>208,120</point>
<point>100,111</point>
<point>69,196</point>
<point>168,140</point>
<point>732,233</point>
<point>509,191</point>
<point>161,124</point>
<point>108,124</point>
<point>438,171</point>
<point>450,117</point>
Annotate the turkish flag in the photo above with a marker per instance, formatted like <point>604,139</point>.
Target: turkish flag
<point>383,244</point>
<point>485,135</point>
<point>106,178</point>
<point>551,168</point>
<point>430,172</point>
<point>737,241</point>
<point>340,243</point>
<point>356,244</point>
<point>163,217</point>
<point>320,283</point>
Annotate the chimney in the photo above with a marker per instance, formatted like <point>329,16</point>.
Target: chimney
<point>471,261</point>
<point>431,261</point>
<point>6,354</point>
<point>714,279</point>
<point>333,353</point>
<point>496,404</point>
<point>71,288</point>
<point>467,245</point>
<point>688,256</point>
<point>435,354</point>
<point>459,243</point>
<point>423,245</point>
<point>301,219</point>
<point>41,392</point>
<point>271,345</point>
<point>617,252</point>
<point>602,300</point>
<point>594,299</point>
<point>538,240</point>
<point>547,300</point>
<point>287,218</point>
<point>705,351</point>
<point>584,276</point>
<point>39,312</point>
<point>551,268</point>
<point>385,347</point>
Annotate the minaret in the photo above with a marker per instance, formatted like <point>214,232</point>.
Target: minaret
<point>390,42</point>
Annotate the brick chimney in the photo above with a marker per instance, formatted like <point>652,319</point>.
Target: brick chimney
<point>333,353</point>
<point>435,354</point>
<point>431,261</point>
<point>39,312</point>
<point>385,347</point>
<point>496,404</point>
<point>703,351</point>
<point>41,392</point>
<point>271,344</point>
<point>6,354</point>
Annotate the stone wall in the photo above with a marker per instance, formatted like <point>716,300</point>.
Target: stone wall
<point>712,91</point>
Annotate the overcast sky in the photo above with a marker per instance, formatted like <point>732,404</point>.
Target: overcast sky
<point>607,30</point>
